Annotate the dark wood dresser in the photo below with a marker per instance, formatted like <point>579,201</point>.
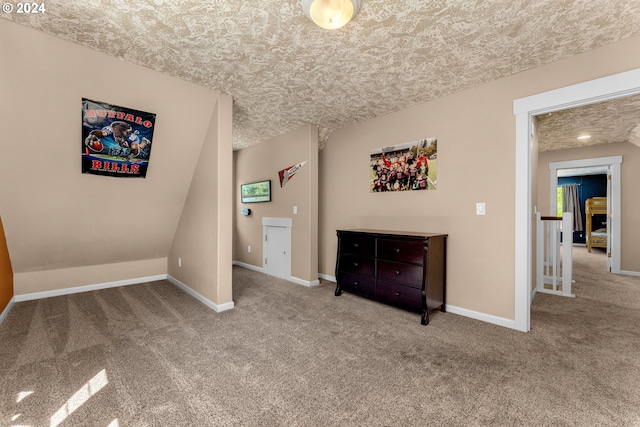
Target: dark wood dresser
<point>404,269</point>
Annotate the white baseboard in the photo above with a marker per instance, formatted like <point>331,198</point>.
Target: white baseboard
<point>630,273</point>
<point>500,321</point>
<point>304,282</point>
<point>6,310</point>
<point>291,278</point>
<point>206,301</point>
<point>327,277</point>
<point>87,288</point>
<point>248,266</point>
<point>58,292</point>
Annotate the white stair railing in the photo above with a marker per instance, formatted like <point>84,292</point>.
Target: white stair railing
<point>554,267</point>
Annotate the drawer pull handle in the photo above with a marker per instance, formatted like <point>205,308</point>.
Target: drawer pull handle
<point>397,272</point>
<point>355,245</point>
<point>397,250</point>
<point>397,294</point>
<point>355,264</point>
<point>355,283</point>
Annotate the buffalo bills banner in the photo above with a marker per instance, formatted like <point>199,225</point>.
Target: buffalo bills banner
<point>116,141</point>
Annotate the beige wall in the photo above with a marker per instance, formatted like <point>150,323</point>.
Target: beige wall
<point>263,161</point>
<point>203,240</point>
<point>6,272</point>
<point>630,202</point>
<point>476,157</point>
<point>60,220</point>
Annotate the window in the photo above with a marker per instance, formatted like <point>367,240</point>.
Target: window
<point>559,201</point>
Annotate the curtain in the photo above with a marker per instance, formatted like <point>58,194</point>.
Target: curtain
<point>571,203</point>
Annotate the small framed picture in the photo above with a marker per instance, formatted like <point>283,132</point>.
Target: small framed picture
<point>256,192</point>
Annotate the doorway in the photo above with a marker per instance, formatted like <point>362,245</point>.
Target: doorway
<point>598,90</point>
<point>611,167</point>
<point>277,247</point>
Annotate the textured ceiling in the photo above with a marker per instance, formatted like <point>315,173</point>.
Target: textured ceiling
<point>606,122</point>
<point>282,71</point>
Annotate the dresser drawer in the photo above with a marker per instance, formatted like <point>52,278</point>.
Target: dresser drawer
<point>404,251</point>
<point>357,244</point>
<point>407,274</point>
<point>364,286</point>
<point>399,295</point>
<point>357,265</point>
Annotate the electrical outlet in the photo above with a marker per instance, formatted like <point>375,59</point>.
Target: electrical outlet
<point>480,209</point>
<point>295,210</point>
<point>249,248</point>
<point>179,262</point>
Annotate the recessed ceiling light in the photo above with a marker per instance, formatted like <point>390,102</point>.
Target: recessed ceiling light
<point>584,137</point>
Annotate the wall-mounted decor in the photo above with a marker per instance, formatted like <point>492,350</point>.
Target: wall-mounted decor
<point>116,141</point>
<point>288,173</point>
<point>404,167</point>
<point>256,192</point>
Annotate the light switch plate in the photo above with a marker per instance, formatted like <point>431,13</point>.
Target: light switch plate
<point>480,209</point>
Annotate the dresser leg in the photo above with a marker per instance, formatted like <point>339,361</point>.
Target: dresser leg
<point>443,309</point>
<point>425,317</point>
<point>338,290</point>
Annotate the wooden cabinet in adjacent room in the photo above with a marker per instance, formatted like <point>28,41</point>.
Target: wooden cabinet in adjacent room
<point>404,269</point>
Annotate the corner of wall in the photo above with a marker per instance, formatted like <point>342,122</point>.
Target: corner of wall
<point>200,256</point>
<point>313,203</point>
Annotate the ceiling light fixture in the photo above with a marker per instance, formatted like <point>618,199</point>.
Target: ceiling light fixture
<point>584,137</point>
<point>331,14</point>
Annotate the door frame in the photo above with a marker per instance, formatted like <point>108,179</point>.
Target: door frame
<point>590,92</point>
<point>613,202</point>
<point>276,222</point>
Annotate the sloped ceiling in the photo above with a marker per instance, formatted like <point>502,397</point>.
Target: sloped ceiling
<point>282,71</point>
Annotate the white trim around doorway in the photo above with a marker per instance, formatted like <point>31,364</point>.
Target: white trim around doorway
<point>613,163</point>
<point>591,92</point>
